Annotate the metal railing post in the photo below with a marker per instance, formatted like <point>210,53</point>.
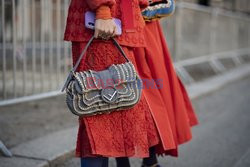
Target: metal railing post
<point>3,51</point>
<point>213,32</point>
<point>33,45</point>
<point>177,32</point>
<point>24,24</point>
<point>58,41</point>
<point>14,41</point>
<point>42,46</point>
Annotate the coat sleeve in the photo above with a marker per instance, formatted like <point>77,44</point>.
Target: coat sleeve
<point>103,12</point>
<point>94,4</point>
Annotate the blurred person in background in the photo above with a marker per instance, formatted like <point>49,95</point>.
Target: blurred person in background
<point>170,104</point>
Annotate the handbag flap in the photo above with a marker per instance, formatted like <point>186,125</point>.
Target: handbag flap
<point>112,77</point>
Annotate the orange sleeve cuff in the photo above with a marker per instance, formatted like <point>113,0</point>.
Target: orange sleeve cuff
<point>103,12</point>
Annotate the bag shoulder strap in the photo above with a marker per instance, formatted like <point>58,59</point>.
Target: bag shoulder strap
<point>87,46</point>
<point>73,70</point>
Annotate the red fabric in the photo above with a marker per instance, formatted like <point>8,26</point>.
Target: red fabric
<point>94,4</point>
<point>75,29</point>
<point>143,3</point>
<point>127,14</point>
<point>154,62</point>
<point>122,133</point>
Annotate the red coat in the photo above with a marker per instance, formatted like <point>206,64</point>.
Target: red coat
<point>76,31</point>
<point>170,106</point>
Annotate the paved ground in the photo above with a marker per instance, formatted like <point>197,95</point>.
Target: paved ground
<point>221,140</point>
<point>23,122</point>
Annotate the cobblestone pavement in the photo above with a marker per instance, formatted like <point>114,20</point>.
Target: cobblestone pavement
<point>221,140</point>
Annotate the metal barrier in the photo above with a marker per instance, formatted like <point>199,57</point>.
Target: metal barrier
<point>196,30</point>
<point>34,59</point>
<point>218,63</point>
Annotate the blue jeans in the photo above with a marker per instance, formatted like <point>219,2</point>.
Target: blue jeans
<point>94,162</point>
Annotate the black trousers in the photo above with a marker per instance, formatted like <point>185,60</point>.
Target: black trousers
<point>121,161</point>
<point>149,161</point>
<point>94,162</point>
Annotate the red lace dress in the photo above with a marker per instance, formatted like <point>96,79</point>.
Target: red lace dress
<point>127,132</point>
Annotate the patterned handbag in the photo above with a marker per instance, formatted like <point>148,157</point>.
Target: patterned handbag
<point>158,9</point>
<point>97,92</point>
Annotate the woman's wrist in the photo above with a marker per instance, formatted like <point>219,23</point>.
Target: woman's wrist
<point>103,12</point>
<point>104,25</point>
